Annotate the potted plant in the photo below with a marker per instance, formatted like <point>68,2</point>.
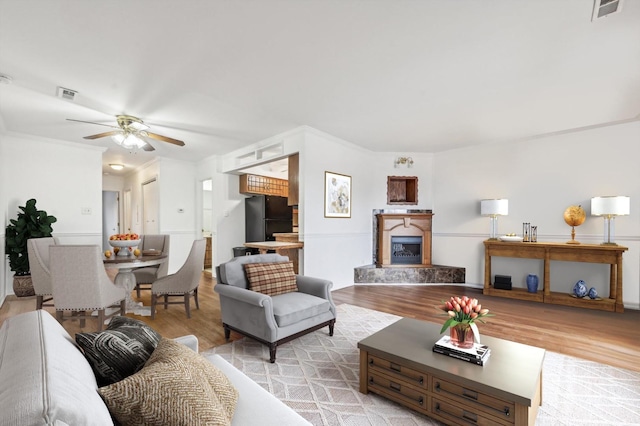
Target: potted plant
<point>31,223</point>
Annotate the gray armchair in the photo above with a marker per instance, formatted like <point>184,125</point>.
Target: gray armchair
<point>272,320</point>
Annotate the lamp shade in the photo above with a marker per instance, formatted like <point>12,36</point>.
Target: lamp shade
<point>494,207</point>
<point>610,206</point>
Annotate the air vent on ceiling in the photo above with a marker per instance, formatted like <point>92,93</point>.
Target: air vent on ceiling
<point>67,94</point>
<point>604,8</point>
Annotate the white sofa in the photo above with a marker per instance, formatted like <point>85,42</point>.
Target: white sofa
<point>46,380</point>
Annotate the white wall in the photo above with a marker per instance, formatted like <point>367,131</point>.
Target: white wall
<point>334,246</point>
<point>63,178</point>
<point>177,189</point>
<point>541,178</point>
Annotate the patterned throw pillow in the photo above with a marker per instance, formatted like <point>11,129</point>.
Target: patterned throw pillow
<point>271,278</point>
<point>177,386</point>
<point>120,350</point>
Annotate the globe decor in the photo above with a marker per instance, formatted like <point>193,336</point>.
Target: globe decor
<point>574,216</point>
<point>462,314</point>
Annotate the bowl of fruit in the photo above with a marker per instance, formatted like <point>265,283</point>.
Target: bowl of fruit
<point>123,244</point>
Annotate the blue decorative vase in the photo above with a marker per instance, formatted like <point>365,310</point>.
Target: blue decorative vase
<point>593,293</point>
<point>580,289</point>
<point>532,283</point>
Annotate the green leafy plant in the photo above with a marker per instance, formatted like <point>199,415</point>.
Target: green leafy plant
<point>461,311</point>
<point>31,223</point>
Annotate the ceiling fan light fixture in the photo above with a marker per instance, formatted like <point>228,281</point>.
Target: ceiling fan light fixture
<point>128,140</point>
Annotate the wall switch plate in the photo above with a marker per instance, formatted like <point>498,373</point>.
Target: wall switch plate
<point>85,210</point>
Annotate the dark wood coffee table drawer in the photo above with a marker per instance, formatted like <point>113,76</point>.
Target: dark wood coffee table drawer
<point>452,413</point>
<point>467,396</point>
<point>397,371</point>
<point>397,391</point>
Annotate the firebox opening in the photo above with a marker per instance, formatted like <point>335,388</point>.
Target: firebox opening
<point>406,250</point>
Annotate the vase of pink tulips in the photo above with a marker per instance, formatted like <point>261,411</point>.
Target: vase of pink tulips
<point>463,312</point>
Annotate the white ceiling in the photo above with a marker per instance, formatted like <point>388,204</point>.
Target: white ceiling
<point>390,75</point>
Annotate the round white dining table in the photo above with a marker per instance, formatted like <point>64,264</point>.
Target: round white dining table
<point>127,280</point>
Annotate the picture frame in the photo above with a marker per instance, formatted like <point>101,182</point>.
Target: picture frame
<point>337,195</point>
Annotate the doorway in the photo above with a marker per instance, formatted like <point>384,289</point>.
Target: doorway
<point>207,224</point>
<point>150,222</point>
<point>110,216</point>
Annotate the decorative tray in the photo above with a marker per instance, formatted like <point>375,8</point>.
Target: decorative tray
<point>511,239</point>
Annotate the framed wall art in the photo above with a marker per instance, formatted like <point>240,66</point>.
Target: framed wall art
<point>337,195</point>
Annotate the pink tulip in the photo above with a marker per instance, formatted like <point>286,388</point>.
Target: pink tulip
<point>474,315</point>
<point>477,308</point>
<point>449,306</point>
<point>484,312</point>
<point>466,310</point>
<point>463,303</point>
<point>457,307</point>
<point>451,314</point>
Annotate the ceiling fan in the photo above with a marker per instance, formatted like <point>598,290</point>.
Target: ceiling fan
<point>130,133</point>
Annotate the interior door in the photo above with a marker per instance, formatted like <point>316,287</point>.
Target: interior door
<point>150,223</point>
<point>110,216</point>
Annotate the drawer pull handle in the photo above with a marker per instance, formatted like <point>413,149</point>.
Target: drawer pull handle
<point>437,407</point>
<point>421,380</point>
<point>470,394</point>
<point>370,380</point>
<point>469,416</point>
<point>395,386</point>
<point>421,401</point>
<point>437,386</point>
<point>370,361</point>
<point>395,367</point>
<point>506,411</point>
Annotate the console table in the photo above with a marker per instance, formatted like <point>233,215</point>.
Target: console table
<point>591,253</point>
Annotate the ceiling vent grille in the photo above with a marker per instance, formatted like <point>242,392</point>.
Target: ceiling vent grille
<point>67,94</point>
<point>604,8</point>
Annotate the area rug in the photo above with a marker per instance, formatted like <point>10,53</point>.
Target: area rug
<point>317,376</point>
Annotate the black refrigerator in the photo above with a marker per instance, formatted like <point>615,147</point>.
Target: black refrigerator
<point>266,215</point>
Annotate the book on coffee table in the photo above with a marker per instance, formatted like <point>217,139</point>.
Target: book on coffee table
<point>477,354</point>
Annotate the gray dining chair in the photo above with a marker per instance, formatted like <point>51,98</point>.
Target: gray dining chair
<point>38,252</point>
<point>80,284</point>
<point>183,283</point>
<point>146,276</point>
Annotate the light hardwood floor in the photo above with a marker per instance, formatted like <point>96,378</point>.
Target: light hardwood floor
<point>605,337</point>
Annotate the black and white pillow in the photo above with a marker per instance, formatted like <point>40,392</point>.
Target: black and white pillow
<point>120,350</point>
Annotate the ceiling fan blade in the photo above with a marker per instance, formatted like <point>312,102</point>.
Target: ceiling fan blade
<point>148,147</point>
<point>164,139</point>
<point>103,135</point>
<point>91,122</point>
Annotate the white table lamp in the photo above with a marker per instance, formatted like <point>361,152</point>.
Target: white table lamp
<point>493,209</point>
<point>609,207</point>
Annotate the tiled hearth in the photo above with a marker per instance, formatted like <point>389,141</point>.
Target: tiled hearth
<point>409,274</point>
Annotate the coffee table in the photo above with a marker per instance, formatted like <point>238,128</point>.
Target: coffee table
<point>397,363</point>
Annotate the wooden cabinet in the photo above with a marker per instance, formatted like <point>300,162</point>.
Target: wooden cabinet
<point>547,252</point>
<point>294,164</point>
<point>402,190</point>
<point>263,185</point>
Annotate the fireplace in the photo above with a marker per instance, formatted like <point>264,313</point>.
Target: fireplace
<point>406,250</point>
<point>404,239</point>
